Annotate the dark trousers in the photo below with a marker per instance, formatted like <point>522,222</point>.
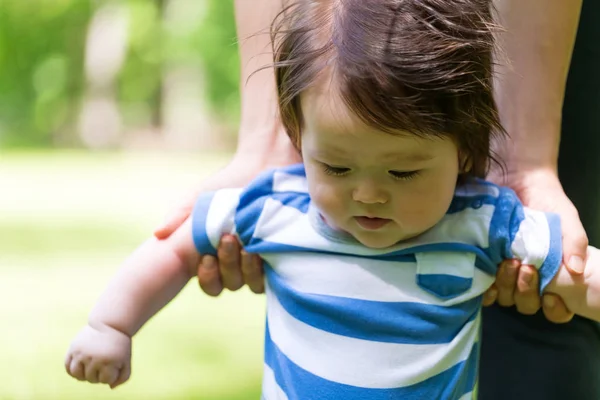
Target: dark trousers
<point>527,357</point>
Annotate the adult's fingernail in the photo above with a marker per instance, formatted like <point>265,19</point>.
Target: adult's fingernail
<point>576,264</point>
<point>209,263</point>
<point>549,301</point>
<point>527,274</point>
<point>228,244</point>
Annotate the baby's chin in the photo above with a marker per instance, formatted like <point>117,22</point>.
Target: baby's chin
<point>383,241</point>
<point>376,243</point>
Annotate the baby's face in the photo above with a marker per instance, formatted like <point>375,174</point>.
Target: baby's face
<point>380,188</point>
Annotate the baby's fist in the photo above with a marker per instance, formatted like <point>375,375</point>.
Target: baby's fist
<point>100,356</point>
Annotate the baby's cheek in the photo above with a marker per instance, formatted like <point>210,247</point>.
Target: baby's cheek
<point>328,200</point>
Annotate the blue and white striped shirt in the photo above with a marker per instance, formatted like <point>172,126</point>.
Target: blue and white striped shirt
<point>345,321</point>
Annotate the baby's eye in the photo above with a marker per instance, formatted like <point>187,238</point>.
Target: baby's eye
<point>335,171</point>
<point>403,175</point>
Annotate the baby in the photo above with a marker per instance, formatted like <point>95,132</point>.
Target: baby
<point>378,247</point>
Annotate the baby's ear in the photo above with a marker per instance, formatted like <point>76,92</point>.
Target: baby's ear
<point>465,163</point>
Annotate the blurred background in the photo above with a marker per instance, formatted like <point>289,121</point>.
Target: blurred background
<point>110,111</point>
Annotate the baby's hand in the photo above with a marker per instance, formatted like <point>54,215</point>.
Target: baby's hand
<point>100,356</point>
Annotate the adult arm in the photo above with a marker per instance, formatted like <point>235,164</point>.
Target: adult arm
<point>531,75</point>
<point>262,143</point>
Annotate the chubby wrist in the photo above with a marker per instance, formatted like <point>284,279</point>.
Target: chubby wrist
<point>102,327</point>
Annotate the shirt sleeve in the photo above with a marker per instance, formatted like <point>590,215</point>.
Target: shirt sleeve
<point>538,242</point>
<point>532,236</point>
<point>212,217</point>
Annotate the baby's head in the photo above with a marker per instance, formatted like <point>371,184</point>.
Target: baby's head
<point>390,103</point>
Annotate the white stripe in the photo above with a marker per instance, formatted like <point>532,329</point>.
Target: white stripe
<point>532,241</point>
<point>290,225</point>
<point>363,279</point>
<point>287,225</point>
<point>467,396</point>
<point>283,182</point>
<point>270,389</point>
<point>470,226</point>
<point>447,263</point>
<point>478,189</point>
<point>364,363</point>
<point>221,212</point>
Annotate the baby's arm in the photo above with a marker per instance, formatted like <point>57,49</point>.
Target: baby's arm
<point>581,293</point>
<point>151,277</point>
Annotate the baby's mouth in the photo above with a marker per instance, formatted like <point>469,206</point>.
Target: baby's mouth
<point>372,224</point>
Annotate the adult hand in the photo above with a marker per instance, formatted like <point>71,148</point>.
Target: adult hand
<point>232,268</point>
<point>518,285</point>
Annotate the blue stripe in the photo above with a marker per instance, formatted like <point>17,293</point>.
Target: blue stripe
<point>444,286</point>
<point>504,226</point>
<point>252,202</point>
<point>460,203</point>
<point>391,322</point>
<point>483,261</point>
<point>553,260</point>
<point>299,384</point>
<point>260,246</point>
<point>294,169</point>
<point>199,214</point>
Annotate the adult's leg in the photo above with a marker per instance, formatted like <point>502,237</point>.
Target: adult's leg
<point>528,357</point>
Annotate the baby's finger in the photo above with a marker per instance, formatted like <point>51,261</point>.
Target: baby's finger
<point>253,272</point>
<point>124,374</point>
<point>209,276</point>
<point>230,263</point>
<point>92,370</point>
<point>506,280</point>
<point>527,297</point>
<point>555,309</point>
<point>108,374</point>
<point>67,362</point>
<point>77,369</point>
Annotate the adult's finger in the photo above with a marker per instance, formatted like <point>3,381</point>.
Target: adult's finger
<point>230,263</point>
<point>575,241</point>
<point>209,276</point>
<point>506,280</point>
<point>490,296</point>
<point>527,297</point>
<point>555,309</point>
<point>171,223</point>
<point>252,272</point>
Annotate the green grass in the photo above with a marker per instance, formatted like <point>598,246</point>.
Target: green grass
<point>66,221</point>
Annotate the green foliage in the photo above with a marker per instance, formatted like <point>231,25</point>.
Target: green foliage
<point>41,62</point>
<point>42,47</point>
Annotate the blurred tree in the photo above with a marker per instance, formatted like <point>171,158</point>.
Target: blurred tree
<point>42,47</point>
<point>41,58</point>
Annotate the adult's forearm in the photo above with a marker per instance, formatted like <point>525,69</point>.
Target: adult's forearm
<point>261,133</point>
<point>538,42</point>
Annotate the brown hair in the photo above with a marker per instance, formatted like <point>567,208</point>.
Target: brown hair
<point>422,66</point>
